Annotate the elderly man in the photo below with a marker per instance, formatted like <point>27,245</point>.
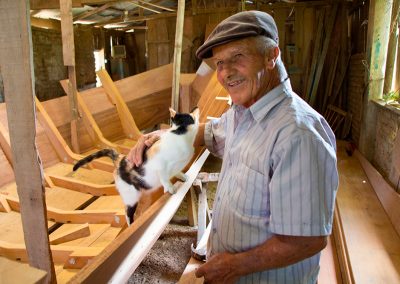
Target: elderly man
<point>274,204</point>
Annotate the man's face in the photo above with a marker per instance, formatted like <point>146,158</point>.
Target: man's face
<point>241,70</point>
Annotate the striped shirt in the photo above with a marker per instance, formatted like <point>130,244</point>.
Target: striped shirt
<point>278,176</point>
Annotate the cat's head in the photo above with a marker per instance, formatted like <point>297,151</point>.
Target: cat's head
<point>185,119</point>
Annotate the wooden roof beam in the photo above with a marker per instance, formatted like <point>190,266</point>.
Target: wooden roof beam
<point>92,12</point>
<point>157,6</point>
<point>144,7</point>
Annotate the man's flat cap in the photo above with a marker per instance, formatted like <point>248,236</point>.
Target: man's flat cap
<point>238,26</point>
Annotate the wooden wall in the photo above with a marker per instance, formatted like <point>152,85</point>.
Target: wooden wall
<point>297,28</point>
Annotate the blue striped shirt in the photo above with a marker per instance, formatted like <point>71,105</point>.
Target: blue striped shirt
<point>278,176</point>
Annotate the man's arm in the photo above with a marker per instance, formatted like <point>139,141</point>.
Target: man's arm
<point>136,153</point>
<point>278,251</point>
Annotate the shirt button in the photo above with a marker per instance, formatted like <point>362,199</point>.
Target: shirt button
<point>214,230</point>
<point>219,198</point>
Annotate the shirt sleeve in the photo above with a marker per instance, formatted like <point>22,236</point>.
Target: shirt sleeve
<point>303,187</point>
<point>215,134</point>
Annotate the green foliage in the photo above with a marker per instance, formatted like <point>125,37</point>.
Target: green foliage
<point>391,96</point>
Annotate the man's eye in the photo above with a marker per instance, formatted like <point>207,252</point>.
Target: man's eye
<point>219,63</point>
<point>238,55</point>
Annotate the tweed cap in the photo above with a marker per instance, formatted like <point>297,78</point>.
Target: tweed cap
<point>238,26</point>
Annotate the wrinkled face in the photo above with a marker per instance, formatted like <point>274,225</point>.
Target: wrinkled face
<point>241,70</point>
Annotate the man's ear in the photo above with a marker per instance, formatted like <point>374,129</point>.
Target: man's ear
<point>270,57</point>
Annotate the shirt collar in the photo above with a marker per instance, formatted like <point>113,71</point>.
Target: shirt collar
<point>261,108</point>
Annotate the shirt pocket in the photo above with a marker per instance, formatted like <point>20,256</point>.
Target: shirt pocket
<point>251,195</point>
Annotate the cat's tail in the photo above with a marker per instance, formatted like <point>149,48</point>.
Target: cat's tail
<point>99,154</point>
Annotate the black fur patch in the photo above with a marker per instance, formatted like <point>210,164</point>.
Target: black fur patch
<point>130,213</point>
<point>99,154</point>
<point>130,178</point>
<point>182,120</point>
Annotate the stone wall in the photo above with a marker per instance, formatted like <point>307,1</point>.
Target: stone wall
<point>387,127</point>
<point>356,88</point>
<point>48,61</point>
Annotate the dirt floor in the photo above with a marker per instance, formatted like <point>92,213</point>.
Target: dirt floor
<point>169,256</point>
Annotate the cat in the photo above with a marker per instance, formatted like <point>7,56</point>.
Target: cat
<point>163,160</point>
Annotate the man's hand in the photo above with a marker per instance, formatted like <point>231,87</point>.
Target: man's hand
<point>135,155</point>
<point>220,268</point>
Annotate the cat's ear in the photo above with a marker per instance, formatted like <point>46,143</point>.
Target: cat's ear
<point>196,113</point>
<point>172,112</point>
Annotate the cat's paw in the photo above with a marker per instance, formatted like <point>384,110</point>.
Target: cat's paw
<point>181,176</point>
<point>171,189</point>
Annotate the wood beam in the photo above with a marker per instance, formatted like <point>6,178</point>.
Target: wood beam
<point>70,235</point>
<point>157,6</point>
<point>127,121</point>
<point>113,217</point>
<point>377,48</point>
<point>92,12</point>
<point>144,7</point>
<point>392,48</point>
<point>46,23</point>
<point>136,19</point>
<point>67,32</point>
<point>177,54</point>
<point>16,71</point>
<point>51,4</point>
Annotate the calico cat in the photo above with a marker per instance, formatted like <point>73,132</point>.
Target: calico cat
<point>162,161</point>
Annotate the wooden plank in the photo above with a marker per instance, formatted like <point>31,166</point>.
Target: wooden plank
<point>72,234</point>
<point>121,258</point>
<point>389,198</point>
<point>368,231</point>
<point>17,272</point>
<point>321,59</point>
<point>127,121</point>
<point>61,254</point>
<point>188,276</point>
<point>315,55</point>
<point>4,206</point>
<point>341,248</point>
<point>114,217</point>
<point>50,4</point>
<point>83,186</point>
<point>67,31</point>
<point>177,54</point>
<point>16,65</point>
<point>191,207</point>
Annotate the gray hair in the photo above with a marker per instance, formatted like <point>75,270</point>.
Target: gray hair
<point>265,44</point>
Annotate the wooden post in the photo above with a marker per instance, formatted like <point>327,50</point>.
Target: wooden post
<point>177,54</point>
<point>16,68</point>
<point>392,48</point>
<point>67,31</point>
<point>377,47</point>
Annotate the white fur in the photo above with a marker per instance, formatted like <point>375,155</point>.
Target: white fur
<point>174,153</point>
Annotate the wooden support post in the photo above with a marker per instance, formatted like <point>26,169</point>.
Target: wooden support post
<point>16,68</point>
<point>392,48</point>
<point>202,213</point>
<point>67,31</point>
<point>192,212</point>
<point>377,47</point>
<point>177,54</point>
